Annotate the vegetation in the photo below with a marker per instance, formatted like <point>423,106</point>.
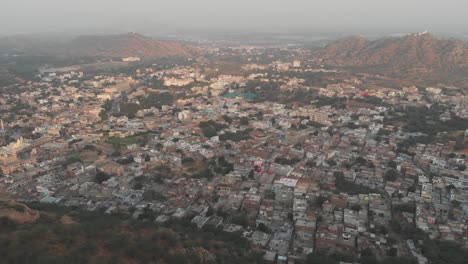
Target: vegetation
<point>319,200</point>
<point>240,219</point>
<point>367,257</point>
<point>337,102</point>
<point>129,109</point>
<point>236,137</point>
<point>101,177</point>
<point>264,228</point>
<point>125,160</point>
<point>95,237</point>
<point>220,165</point>
<point>211,128</point>
<point>156,100</point>
<point>151,100</point>
<point>286,160</point>
<point>444,252</point>
<point>391,175</point>
<point>139,139</point>
<point>343,185</point>
<point>244,121</point>
<point>426,120</point>
<point>188,161</point>
<point>72,159</point>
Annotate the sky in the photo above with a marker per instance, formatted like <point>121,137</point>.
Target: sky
<point>267,16</point>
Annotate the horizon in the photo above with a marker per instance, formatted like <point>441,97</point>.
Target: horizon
<point>234,36</point>
<point>218,18</point>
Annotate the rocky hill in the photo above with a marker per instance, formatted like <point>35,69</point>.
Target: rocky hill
<point>109,46</point>
<point>124,46</point>
<point>419,55</point>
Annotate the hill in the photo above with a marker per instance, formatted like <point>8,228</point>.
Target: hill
<point>126,45</point>
<point>108,46</point>
<point>415,56</point>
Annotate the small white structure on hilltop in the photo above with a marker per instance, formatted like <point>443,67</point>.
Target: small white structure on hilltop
<point>131,59</point>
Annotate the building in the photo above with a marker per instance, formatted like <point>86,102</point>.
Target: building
<point>184,115</point>
<point>131,59</point>
<point>16,155</point>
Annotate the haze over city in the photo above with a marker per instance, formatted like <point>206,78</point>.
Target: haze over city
<point>267,16</point>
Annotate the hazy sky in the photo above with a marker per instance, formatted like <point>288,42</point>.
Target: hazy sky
<point>353,16</point>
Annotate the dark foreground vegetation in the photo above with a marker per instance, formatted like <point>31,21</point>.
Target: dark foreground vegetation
<point>65,235</point>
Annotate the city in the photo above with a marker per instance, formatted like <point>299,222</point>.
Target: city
<point>290,152</point>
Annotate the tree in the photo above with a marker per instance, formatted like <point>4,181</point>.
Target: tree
<point>462,167</point>
<point>283,160</point>
<point>251,174</point>
<point>244,121</point>
<point>270,195</point>
<point>107,105</point>
<point>211,128</point>
<point>350,187</point>
<point>227,119</point>
<point>319,201</point>
<point>101,177</point>
<point>241,219</point>
<point>368,257</point>
<point>237,136</point>
<point>210,211</point>
<point>103,115</point>
<point>320,258</point>
<point>188,161</point>
<point>138,186</point>
<point>391,175</point>
<point>262,227</point>
<point>392,252</point>
<point>215,197</point>
<point>356,207</point>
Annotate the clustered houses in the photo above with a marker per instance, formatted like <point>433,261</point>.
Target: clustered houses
<point>292,178</point>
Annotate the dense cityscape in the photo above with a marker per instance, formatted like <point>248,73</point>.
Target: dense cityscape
<point>307,163</point>
<point>233,132</point>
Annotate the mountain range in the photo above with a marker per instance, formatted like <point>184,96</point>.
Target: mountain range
<point>420,55</point>
<point>108,46</point>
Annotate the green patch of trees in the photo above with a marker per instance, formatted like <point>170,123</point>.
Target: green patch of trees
<point>343,185</point>
<point>140,139</point>
<point>48,240</point>
<point>156,100</point>
<point>444,252</point>
<point>391,175</point>
<point>210,128</point>
<point>426,120</point>
<point>235,136</point>
<point>286,160</point>
<point>101,177</point>
<point>188,161</point>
